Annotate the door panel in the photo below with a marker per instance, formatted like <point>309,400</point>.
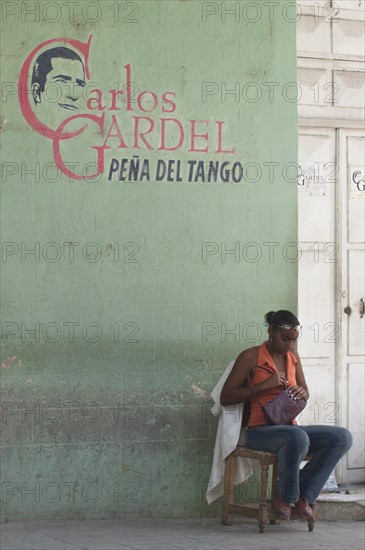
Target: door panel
<point>356,320</point>
<point>356,189</point>
<point>351,288</point>
<point>356,413</point>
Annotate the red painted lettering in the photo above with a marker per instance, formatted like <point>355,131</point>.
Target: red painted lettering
<point>115,94</point>
<point>118,134</point>
<point>171,121</point>
<point>170,102</point>
<point>195,136</point>
<point>60,136</point>
<point>97,100</point>
<point>154,104</point>
<point>138,134</point>
<point>129,87</point>
<point>219,146</point>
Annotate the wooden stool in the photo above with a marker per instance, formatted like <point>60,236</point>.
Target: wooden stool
<point>263,510</point>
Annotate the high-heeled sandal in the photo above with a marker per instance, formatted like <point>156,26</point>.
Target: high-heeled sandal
<point>304,509</point>
<point>283,509</point>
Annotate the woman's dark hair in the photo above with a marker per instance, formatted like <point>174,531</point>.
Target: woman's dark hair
<point>281,317</point>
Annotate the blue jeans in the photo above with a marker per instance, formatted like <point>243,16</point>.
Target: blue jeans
<point>327,444</point>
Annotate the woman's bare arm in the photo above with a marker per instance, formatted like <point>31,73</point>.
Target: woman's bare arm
<point>235,389</point>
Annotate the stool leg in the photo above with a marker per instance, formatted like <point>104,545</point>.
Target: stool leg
<point>274,482</point>
<point>262,512</point>
<point>311,521</point>
<point>228,489</point>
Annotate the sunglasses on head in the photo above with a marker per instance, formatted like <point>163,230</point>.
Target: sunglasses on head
<point>289,327</point>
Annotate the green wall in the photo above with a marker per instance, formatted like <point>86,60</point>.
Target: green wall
<point>100,424</point>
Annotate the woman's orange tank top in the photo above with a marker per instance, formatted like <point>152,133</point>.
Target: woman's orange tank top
<point>264,359</point>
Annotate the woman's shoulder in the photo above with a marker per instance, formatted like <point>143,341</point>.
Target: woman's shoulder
<point>248,355</point>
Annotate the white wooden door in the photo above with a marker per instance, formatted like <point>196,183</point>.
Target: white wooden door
<point>351,296</point>
<point>331,110</point>
<point>317,271</point>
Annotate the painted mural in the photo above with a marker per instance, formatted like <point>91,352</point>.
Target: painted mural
<point>57,103</point>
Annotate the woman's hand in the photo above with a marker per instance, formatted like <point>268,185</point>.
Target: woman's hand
<point>298,392</point>
<point>275,380</point>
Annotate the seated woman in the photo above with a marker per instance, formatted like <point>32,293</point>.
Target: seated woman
<point>292,442</point>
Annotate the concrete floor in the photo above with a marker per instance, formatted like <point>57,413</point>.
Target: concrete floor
<point>183,534</point>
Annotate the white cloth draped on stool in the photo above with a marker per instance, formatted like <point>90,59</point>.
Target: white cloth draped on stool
<point>228,434</point>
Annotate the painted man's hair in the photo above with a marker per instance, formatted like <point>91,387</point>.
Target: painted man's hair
<point>43,64</point>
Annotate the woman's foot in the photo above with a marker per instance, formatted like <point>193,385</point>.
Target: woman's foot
<point>283,508</point>
<point>304,509</point>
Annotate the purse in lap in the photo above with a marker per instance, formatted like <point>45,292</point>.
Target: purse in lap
<point>282,409</point>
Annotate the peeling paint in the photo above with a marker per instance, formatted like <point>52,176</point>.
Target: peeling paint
<point>199,392</point>
<point>10,362</point>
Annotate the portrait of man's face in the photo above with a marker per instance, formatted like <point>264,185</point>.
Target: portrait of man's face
<point>57,84</point>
